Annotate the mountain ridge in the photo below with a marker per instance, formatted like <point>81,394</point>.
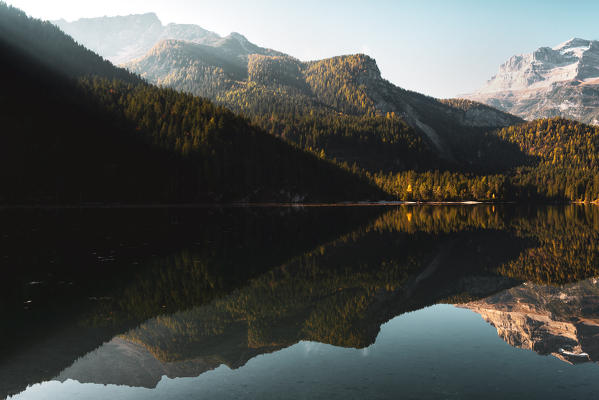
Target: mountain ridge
<point>348,84</point>
<point>228,72</point>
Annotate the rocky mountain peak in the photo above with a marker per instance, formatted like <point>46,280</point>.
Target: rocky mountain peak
<point>129,22</point>
<point>239,37</point>
<point>573,43</point>
<point>576,59</point>
<point>189,32</point>
<point>549,56</point>
<point>551,81</point>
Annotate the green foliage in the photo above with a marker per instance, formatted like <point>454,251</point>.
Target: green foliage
<point>567,160</point>
<point>372,143</point>
<point>230,157</point>
<point>465,104</point>
<point>444,186</point>
<point>558,160</point>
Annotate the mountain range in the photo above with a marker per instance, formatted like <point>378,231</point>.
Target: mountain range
<point>551,81</point>
<point>204,118</point>
<point>261,82</point>
<point>560,81</point>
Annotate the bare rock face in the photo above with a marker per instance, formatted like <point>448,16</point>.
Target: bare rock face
<point>561,321</point>
<point>560,81</point>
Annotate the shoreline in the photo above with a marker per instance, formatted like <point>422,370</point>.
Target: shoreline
<point>282,204</point>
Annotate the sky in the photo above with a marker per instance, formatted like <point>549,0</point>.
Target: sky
<point>442,48</point>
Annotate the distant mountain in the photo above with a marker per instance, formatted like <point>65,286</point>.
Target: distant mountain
<point>77,129</point>
<point>124,38</point>
<point>350,101</point>
<point>560,81</point>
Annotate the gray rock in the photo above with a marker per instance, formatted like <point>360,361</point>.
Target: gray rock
<point>560,81</point>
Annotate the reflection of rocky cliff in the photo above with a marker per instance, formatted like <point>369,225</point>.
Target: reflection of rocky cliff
<point>559,320</point>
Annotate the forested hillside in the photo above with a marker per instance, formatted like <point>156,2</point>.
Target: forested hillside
<point>566,155</point>
<point>77,129</point>
<point>414,147</point>
<point>553,160</point>
<point>339,107</point>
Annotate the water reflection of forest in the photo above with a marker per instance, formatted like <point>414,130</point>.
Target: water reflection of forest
<point>234,296</point>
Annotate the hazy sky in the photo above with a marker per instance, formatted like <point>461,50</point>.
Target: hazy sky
<point>438,47</point>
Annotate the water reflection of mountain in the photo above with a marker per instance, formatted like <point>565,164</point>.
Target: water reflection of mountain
<point>96,273</point>
<point>340,293</point>
<point>559,320</point>
<point>228,301</point>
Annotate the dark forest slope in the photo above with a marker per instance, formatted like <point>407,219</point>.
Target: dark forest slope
<point>77,129</point>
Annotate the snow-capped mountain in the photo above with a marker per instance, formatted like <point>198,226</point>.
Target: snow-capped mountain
<point>558,81</point>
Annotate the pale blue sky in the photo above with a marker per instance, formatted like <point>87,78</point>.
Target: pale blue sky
<point>441,48</point>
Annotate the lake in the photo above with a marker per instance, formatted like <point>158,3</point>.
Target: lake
<point>299,302</point>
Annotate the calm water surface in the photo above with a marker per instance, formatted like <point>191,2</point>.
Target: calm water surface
<point>422,302</point>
